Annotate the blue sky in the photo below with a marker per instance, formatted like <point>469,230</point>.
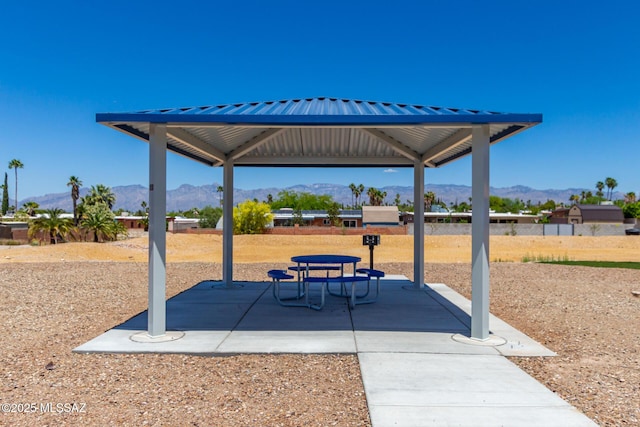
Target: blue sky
<point>575,62</point>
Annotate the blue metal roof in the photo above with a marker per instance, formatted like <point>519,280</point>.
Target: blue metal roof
<point>320,131</point>
<point>318,111</point>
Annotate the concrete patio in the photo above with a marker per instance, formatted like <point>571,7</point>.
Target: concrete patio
<point>418,365</point>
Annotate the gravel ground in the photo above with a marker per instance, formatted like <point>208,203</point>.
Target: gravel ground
<point>589,316</point>
<point>48,309</point>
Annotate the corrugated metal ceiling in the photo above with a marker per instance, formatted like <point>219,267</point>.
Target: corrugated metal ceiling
<point>320,131</point>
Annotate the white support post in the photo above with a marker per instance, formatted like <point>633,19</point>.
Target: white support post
<point>227,224</point>
<point>418,224</point>
<point>157,229</point>
<point>480,233</point>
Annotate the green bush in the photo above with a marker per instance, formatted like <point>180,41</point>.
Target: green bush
<point>631,210</point>
<point>209,217</point>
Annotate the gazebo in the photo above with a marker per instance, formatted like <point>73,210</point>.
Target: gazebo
<point>325,132</point>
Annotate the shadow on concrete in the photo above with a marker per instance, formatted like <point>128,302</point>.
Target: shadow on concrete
<point>250,306</point>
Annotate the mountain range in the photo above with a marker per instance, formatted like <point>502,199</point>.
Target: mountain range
<point>130,197</point>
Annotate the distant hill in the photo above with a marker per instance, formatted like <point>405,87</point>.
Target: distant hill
<point>187,196</point>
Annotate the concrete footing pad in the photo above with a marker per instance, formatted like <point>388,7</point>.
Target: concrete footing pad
<point>166,337</point>
<point>492,341</point>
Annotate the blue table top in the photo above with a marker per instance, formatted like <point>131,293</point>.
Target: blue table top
<point>326,259</point>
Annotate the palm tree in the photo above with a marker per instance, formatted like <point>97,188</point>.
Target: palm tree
<point>630,198</point>
<point>100,221</point>
<point>75,183</point>
<point>376,197</point>
<point>599,187</point>
<point>30,208</point>
<point>52,224</point>
<point>371,192</point>
<point>5,196</point>
<point>15,164</point>
<point>574,198</point>
<point>611,184</point>
<point>429,198</point>
<point>106,195</point>
<point>220,191</point>
<point>358,192</point>
<point>144,212</point>
<point>100,194</point>
<point>353,188</point>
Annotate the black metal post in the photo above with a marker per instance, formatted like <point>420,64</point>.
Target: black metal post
<point>371,256</point>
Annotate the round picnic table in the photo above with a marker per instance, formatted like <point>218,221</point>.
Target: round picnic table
<point>325,260</point>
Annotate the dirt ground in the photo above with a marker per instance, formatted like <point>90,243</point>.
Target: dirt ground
<point>589,316</point>
<point>274,248</point>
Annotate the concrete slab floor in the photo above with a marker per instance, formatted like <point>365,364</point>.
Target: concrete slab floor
<point>414,372</point>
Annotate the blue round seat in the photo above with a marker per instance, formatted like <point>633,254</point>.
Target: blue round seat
<point>370,272</point>
<point>279,275</point>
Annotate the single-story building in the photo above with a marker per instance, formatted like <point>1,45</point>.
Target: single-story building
<point>14,231</point>
<point>587,214</point>
<point>132,222</point>
<point>385,216</point>
<point>466,217</point>
<point>176,224</point>
<point>349,218</point>
<point>285,217</point>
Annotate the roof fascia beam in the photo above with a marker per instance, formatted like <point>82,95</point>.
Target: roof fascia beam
<point>254,143</point>
<point>396,145</point>
<point>216,125</point>
<point>196,143</point>
<point>450,142</point>
<point>327,161</point>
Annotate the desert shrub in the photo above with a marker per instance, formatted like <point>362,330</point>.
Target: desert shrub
<point>251,217</point>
